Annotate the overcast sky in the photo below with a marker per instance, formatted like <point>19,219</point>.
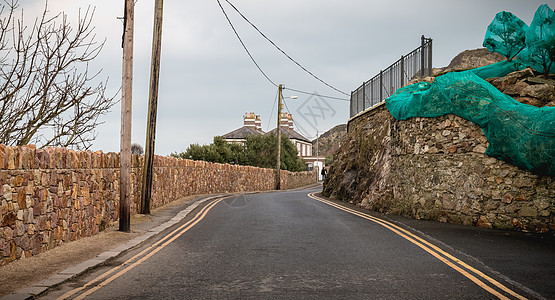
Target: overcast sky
<point>208,82</point>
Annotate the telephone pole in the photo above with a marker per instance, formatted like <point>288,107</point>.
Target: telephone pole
<point>317,157</point>
<point>278,128</point>
<point>152,108</point>
<point>126,101</point>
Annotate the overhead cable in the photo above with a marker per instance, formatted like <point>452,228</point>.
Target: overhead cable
<point>295,123</point>
<point>308,93</point>
<point>284,53</point>
<point>272,113</point>
<point>243,44</point>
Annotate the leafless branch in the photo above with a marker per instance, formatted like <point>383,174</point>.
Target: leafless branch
<point>47,96</point>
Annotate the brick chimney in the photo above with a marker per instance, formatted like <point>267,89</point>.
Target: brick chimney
<point>252,120</point>
<point>286,120</point>
<point>290,121</point>
<point>258,123</point>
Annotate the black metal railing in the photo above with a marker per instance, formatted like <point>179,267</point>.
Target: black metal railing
<point>418,63</point>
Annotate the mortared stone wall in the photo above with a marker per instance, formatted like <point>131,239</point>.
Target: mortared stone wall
<point>56,195</point>
<point>436,169</point>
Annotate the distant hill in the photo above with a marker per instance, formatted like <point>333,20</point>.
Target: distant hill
<point>330,140</point>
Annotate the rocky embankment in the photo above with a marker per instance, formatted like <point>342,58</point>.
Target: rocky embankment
<point>330,141</point>
<point>435,168</point>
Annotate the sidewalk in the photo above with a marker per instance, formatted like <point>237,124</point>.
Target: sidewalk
<point>23,279</point>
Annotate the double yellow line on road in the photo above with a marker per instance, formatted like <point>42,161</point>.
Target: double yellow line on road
<point>102,280</point>
<point>435,251</point>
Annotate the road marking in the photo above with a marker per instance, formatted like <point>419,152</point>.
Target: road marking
<point>141,256</point>
<point>429,247</point>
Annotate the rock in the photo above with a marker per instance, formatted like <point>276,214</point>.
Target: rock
<point>528,211</point>
<point>330,141</point>
<point>520,197</point>
<point>479,149</point>
<point>507,198</point>
<point>36,244</point>
<point>20,228</point>
<point>540,80</point>
<point>503,83</point>
<point>7,192</point>
<point>483,222</point>
<point>542,204</point>
<point>543,92</point>
<point>531,101</point>
<point>515,89</point>
<point>476,58</point>
<point>447,202</point>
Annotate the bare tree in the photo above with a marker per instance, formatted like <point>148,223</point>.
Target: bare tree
<point>47,96</point>
<point>137,149</point>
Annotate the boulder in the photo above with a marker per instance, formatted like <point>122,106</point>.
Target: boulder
<point>544,92</point>
<point>471,59</point>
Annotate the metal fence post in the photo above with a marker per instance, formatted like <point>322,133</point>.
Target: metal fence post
<point>351,110</point>
<point>358,101</point>
<point>430,57</point>
<point>372,92</point>
<point>422,55</point>
<point>381,85</point>
<point>363,96</point>
<point>391,86</point>
<point>402,70</point>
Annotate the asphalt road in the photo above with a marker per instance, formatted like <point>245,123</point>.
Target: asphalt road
<point>287,245</point>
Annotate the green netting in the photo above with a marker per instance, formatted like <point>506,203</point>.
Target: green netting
<point>517,133</point>
<point>506,35</point>
<point>540,41</point>
<point>499,69</point>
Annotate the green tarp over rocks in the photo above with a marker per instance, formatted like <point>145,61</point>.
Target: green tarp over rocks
<point>517,133</point>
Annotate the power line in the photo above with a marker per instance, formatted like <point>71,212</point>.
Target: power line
<point>273,107</point>
<point>295,123</point>
<point>243,44</point>
<point>323,96</point>
<point>284,53</point>
<point>258,66</point>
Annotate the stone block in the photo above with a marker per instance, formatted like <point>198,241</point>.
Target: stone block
<point>520,197</point>
<point>479,149</point>
<point>528,211</point>
<point>502,222</point>
<point>10,157</point>
<point>3,157</point>
<point>7,192</point>
<point>483,222</point>
<point>507,198</point>
<point>9,219</point>
<point>22,198</point>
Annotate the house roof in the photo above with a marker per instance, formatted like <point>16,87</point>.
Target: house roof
<point>291,134</point>
<point>242,132</point>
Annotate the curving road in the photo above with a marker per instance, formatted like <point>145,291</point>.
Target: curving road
<point>287,245</point>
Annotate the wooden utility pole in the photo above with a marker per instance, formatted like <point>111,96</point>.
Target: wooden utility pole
<point>152,107</point>
<point>125,143</point>
<point>318,156</point>
<point>278,128</point>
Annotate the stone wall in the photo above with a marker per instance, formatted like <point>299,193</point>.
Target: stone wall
<point>436,169</point>
<point>54,195</point>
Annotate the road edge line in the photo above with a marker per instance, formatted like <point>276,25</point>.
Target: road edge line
<point>433,251</point>
<point>61,277</point>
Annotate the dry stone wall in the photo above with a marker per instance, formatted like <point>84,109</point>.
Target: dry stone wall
<point>56,195</point>
<point>436,169</point>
